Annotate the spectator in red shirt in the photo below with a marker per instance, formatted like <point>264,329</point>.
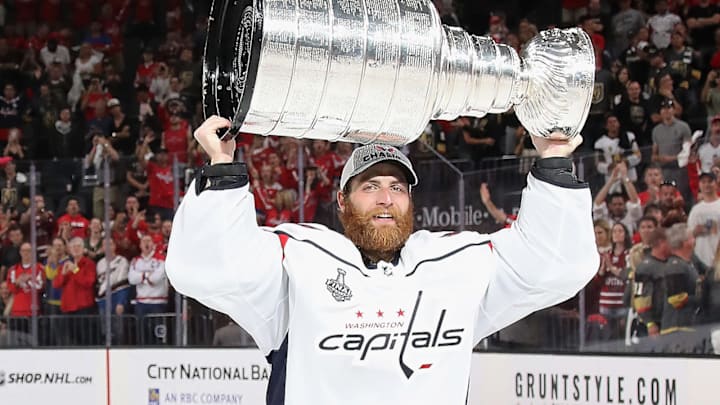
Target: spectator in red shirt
<point>160,180</point>
<point>612,279</point>
<point>653,179</point>
<point>326,161</point>
<point>147,70</point>
<point>119,234</point>
<point>258,152</point>
<point>264,188</point>
<point>165,230</point>
<point>177,138</point>
<point>78,223</point>
<point>94,95</point>
<point>136,224</point>
<point>45,225</point>
<point>22,284</point>
<point>315,183</point>
<point>282,210</point>
<point>77,280</point>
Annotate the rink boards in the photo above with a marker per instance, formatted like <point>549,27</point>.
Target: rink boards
<point>239,376</point>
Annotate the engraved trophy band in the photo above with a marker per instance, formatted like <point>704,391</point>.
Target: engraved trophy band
<point>378,70</point>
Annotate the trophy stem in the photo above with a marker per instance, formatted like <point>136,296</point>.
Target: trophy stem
<point>478,76</point>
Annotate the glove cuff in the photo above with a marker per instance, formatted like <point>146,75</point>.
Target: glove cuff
<point>221,176</point>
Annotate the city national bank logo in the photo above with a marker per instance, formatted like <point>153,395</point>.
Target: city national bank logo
<point>402,341</point>
<point>337,287</point>
<point>154,396</point>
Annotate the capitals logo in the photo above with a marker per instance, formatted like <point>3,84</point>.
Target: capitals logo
<point>418,339</point>
<point>154,396</point>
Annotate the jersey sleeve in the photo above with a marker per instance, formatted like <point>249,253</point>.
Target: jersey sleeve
<point>544,258</point>
<point>218,255</point>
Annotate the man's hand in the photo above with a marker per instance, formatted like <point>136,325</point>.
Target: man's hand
<point>68,267</point>
<point>556,145</point>
<point>622,170</point>
<point>206,135</point>
<point>484,193</point>
<point>653,330</point>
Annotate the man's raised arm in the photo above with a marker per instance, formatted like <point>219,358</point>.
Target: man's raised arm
<point>217,253</point>
<point>549,253</point>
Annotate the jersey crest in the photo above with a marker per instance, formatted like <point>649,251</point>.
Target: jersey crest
<point>337,287</point>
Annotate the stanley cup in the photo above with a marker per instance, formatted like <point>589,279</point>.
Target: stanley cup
<point>378,70</point>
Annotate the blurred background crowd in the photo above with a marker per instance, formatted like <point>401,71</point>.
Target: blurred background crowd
<point>100,98</point>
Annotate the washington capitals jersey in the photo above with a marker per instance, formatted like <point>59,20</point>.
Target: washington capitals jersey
<point>398,332</point>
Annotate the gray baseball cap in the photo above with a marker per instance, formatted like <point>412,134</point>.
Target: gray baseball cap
<point>366,156</point>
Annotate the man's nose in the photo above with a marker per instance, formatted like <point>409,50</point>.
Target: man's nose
<point>384,197</point>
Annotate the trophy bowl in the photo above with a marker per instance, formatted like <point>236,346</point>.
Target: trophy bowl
<point>378,70</point>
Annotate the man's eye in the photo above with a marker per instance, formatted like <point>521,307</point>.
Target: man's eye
<point>370,187</point>
<point>397,188</point>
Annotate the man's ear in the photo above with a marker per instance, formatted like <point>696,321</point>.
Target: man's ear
<point>341,201</point>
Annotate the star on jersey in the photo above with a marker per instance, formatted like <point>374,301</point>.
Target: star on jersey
<point>380,313</point>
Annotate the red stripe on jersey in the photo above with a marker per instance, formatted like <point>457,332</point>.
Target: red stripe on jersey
<point>490,245</point>
<point>425,366</point>
<point>283,241</point>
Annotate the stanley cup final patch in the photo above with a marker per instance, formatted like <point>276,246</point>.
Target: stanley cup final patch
<point>337,287</point>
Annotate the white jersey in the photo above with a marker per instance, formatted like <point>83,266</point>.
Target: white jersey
<point>395,333</point>
<point>708,155</point>
<point>118,274</point>
<point>662,27</point>
<point>706,213</point>
<point>147,274</point>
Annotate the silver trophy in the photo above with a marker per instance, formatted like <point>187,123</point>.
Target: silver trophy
<point>378,70</point>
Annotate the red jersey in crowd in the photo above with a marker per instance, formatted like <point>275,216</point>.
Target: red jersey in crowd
<point>276,217</point>
<point>134,234</point>
<point>160,180</point>
<point>176,141</point>
<point>612,287</point>
<point>20,284</point>
<point>288,176</point>
<point>146,72</point>
<point>93,98</point>
<point>644,197</point>
<point>265,195</point>
<point>78,286</point>
<point>309,208</point>
<point>78,223</point>
<point>259,156</point>
<point>329,161</point>
<point>161,245</point>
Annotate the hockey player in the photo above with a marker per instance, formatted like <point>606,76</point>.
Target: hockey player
<point>382,314</point>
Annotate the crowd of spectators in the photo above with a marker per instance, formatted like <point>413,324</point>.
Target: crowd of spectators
<point>94,90</point>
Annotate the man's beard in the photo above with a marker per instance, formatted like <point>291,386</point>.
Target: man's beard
<point>377,242</point>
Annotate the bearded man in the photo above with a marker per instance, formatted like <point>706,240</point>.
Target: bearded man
<point>379,315</point>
